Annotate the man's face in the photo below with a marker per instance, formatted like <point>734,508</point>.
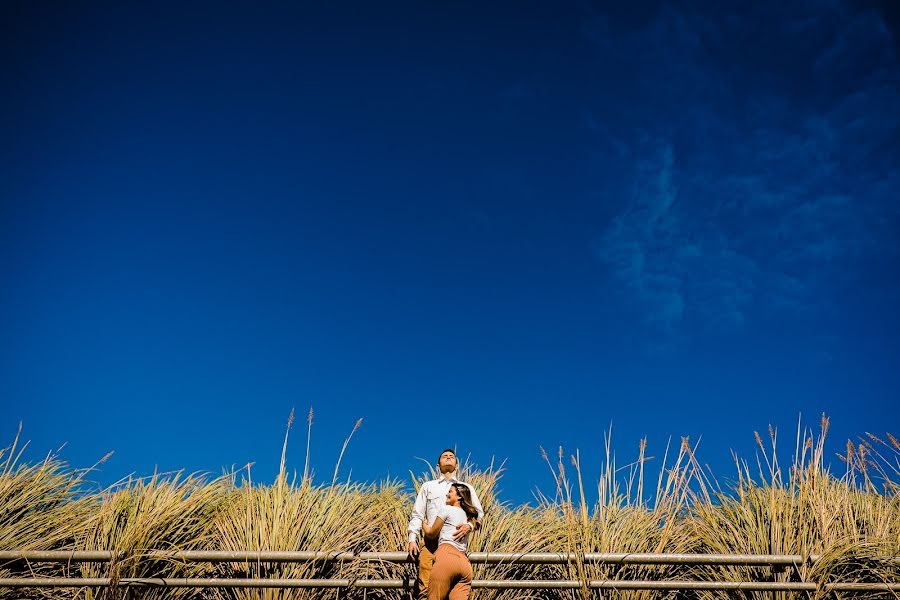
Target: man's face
<point>447,462</point>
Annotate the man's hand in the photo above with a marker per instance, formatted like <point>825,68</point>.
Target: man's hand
<point>462,531</point>
<point>414,550</point>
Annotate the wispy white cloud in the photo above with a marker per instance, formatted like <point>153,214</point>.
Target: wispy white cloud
<point>767,203</point>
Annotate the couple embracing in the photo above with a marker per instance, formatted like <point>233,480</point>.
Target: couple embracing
<point>447,511</point>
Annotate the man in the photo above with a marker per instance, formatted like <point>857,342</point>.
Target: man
<point>432,497</point>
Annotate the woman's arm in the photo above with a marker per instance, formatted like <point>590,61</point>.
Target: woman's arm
<point>434,529</point>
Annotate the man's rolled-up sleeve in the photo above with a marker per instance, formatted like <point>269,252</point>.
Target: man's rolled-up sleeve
<point>476,503</point>
<point>418,515</point>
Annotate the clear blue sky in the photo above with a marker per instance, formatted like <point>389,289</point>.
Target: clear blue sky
<point>483,225</point>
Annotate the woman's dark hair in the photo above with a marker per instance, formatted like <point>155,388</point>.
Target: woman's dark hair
<point>465,500</point>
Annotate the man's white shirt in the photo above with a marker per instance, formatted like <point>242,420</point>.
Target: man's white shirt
<point>432,496</point>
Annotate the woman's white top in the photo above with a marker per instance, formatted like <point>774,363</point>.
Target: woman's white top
<point>453,516</point>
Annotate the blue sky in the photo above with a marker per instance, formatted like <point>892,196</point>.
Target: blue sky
<point>496,228</point>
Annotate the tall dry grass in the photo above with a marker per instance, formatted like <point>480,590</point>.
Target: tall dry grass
<point>851,519</point>
<point>300,515</point>
<point>40,509</point>
<point>630,515</point>
<point>171,512</point>
<point>805,510</point>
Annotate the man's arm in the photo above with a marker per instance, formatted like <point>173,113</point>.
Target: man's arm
<point>416,521</point>
<point>477,504</point>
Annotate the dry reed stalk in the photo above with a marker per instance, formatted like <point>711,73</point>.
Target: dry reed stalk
<point>852,521</point>
<point>284,517</point>
<point>171,512</point>
<point>623,519</point>
<point>809,512</point>
<point>40,509</point>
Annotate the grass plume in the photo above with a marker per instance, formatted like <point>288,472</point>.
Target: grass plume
<point>851,520</point>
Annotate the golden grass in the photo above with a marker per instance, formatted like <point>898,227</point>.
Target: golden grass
<point>807,511</point>
<point>38,503</point>
<point>171,512</point>
<point>851,519</point>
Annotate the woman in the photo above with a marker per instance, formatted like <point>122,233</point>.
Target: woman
<point>451,576</point>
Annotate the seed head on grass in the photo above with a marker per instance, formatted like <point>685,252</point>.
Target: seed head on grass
<point>852,521</point>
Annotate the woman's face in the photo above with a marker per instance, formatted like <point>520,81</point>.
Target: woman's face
<point>452,497</point>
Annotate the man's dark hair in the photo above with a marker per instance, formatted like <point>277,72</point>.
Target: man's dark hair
<point>451,451</point>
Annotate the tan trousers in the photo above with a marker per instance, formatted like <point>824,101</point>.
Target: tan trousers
<point>451,577</point>
<point>426,563</point>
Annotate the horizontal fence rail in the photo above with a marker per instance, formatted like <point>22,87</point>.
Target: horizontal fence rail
<point>219,556</point>
<point>213,582</point>
<point>774,561</point>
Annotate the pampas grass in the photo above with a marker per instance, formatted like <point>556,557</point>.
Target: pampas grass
<point>161,512</point>
<point>849,520</point>
<point>805,511</point>
<point>40,509</point>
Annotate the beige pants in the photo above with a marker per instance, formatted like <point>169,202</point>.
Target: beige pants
<point>451,576</point>
<point>426,563</point>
